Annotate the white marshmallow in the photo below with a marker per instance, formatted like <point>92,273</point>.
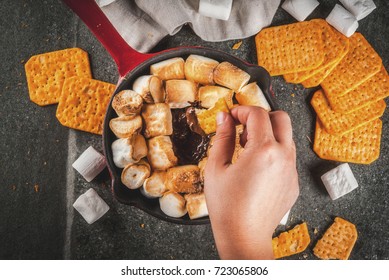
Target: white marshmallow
<point>300,9</point>
<point>342,20</point>
<point>359,8</point>
<point>339,181</point>
<point>284,219</point>
<point>91,206</point>
<point>220,9</point>
<point>90,164</point>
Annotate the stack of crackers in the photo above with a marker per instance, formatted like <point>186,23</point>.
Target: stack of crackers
<point>65,77</point>
<point>353,84</point>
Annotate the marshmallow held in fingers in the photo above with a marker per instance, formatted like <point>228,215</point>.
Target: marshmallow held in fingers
<point>91,206</point>
<point>359,8</point>
<point>199,69</point>
<point>154,186</point>
<point>196,205</point>
<point>339,181</point>
<point>230,76</point>
<point>127,102</point>
<point>252,95</point>
<point>90,164</point>
<point>124,127</point>
<point>215,9</point>
<point>134,175</point>
<point>142,87</point>
<point>209,95</point>
<point>173,204</point>
<point>342,20</point>
<point>180,92</point>
<point>300,9</point>
<point>170,69</point>
<point>128,150</point>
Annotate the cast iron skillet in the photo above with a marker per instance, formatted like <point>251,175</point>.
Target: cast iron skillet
<point>131,65</point>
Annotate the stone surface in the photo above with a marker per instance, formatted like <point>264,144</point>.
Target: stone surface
<point>39,186</point>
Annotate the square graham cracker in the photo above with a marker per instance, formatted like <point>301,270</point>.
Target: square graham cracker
<point>361,145</point>
<point>47,72</point>
<point>290,48</point>
<point>83,104</point>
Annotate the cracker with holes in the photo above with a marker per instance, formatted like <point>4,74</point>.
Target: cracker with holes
<point>374,89</point>
<point>335,48</point>
<point>47,72</point>
<point>83,104</point>
<point>207,118</point>
<point>338,123</point>
<point>360,64</point>
<point>291,242</point>
<point>361,145</point>
<point>290,48</point>
<point>337,242</point>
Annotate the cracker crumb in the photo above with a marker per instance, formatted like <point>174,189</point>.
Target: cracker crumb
<point>315,231</point>
<point>13,187</point>
<point>36,188</point>
<point>142,225</point>
<point>292,95</point>
<point>237,45</point>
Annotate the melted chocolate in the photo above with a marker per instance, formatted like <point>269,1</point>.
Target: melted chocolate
<point>189,146</point>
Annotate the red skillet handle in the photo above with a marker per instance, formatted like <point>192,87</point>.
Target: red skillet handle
<point>126,58</point>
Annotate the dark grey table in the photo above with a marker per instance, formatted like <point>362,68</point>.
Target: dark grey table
<point>38,185</point>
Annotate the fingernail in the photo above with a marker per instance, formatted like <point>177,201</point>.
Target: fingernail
<point>220,117</point>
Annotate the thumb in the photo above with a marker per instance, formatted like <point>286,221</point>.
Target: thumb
<point>223,146</point>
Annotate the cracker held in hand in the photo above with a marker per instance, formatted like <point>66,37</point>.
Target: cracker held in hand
<point>335,47</point>
<point>338,123</point>
<point>290,48</point>
<point>47,72</point>
<point>361,145</point>
<point>83,104</point>
<point>360,64</point>
<point>374,89</point>
<point>207,118</point>
<point>291,242</point>
<point>337,242</point>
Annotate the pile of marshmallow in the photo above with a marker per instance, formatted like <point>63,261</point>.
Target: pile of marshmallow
<point>344,18</point>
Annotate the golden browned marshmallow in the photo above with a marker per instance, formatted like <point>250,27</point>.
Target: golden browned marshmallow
<point>134,175</point>
<point>142,87</point>
<point>230,76</point>
<point>124,127</point>
<point>158,120</point>
<point>208,95</point>
<point>252,95</point>
<point>201,166</point>
<point>169,69</point>
<point>127,102</point>
<point>157,89</point>
<point>184,179</point>
<point>128,150</point>
<point>180,92</point>
<point>160,153</point>
<point>199,69</point>
<point>154,186</point>
<point>196,205</point>
<point>172,204</point>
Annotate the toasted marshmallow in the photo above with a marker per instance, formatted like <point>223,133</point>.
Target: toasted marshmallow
<point>90,164</point>
<point>169,69</point>
<point>208,95</point>
<point>172,204</point>
<point>180,92</point>
<point>359,8</point>
<point>127,102</point>
<point>199,69</point>
<point>201,166</point>
<point>252,95</point>
<point>134,175</point>
<point>230,76</point>
<point>142,87</point>
<point>160,153</point>
<point>124,127</point>
<point>154,186</point>
<point>128,150</point>
<point>342,20</point>
<point>196,205</point>
<point>184,179</point>
<point>158,120</point>
<point>157,89</point>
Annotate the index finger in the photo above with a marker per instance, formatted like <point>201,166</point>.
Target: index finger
<point>257,122</point>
